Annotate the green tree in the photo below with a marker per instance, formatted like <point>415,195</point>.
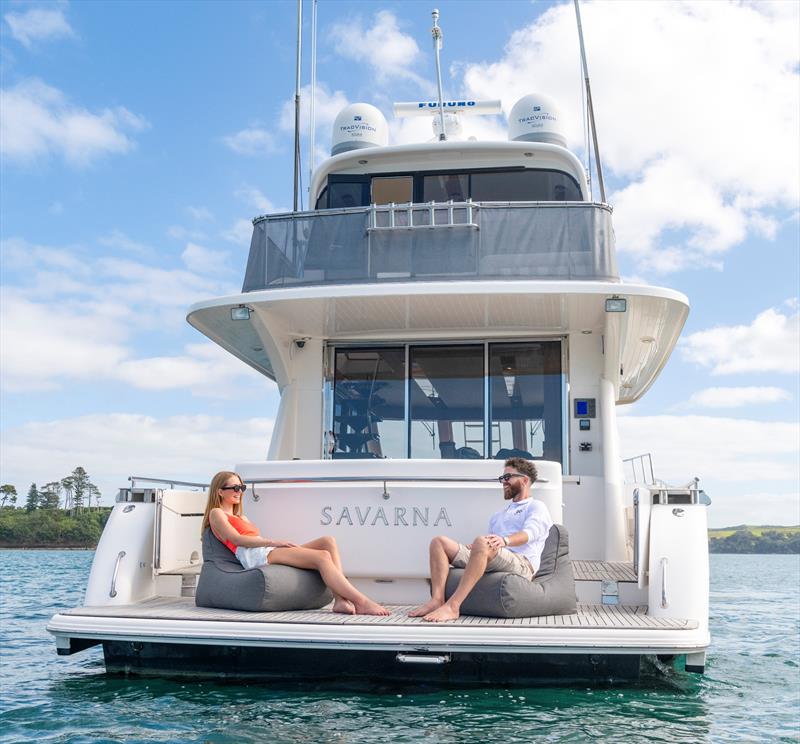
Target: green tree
<point>8,493</point>
<point>50,495</point>
<point>80,488</point>
<point>94,493</point>
<point>67,484</point>
<point>32,502</point>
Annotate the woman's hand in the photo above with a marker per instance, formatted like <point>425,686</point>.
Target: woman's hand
<point>280,544</point>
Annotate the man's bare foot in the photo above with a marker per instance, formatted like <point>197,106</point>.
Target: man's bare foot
<point>442,614</point>
<point>368,607</point>
<point>344,606</point>
<point>427,608</point>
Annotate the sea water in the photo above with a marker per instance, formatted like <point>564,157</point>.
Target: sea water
<point>750,691</point>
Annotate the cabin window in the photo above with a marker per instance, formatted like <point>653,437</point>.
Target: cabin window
<point>446,402</point>
<point>444,187</point>
<point>524,185</point>
<point>454,401</point>
<point>369,403</point>
<point>393,190</point>
<point>525,391</point>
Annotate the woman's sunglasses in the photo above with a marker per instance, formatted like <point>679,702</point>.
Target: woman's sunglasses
<point>240,489</point>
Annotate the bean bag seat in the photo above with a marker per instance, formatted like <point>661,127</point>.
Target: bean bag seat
<point>499,594</point>
<point>225,584</point>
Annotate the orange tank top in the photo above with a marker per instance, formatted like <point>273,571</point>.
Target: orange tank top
<point>242,527</point>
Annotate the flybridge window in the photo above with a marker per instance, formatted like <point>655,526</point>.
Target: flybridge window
<point>444,405</point>
<point>509,185</point>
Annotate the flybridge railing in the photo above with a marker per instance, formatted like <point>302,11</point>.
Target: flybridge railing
<point>433,241</point>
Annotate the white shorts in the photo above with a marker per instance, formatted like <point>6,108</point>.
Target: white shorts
<point>252,557</point>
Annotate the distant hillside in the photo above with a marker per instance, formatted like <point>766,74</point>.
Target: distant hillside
<point>754,539</point>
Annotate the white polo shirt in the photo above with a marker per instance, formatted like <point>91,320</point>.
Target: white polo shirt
<point>529,516</point>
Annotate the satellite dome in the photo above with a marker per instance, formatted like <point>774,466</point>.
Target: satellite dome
<point>536,118</point>
<point>359,125</point>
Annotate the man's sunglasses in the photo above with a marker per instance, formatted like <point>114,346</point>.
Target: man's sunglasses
<point>241,489</point>
<point>506,477</point>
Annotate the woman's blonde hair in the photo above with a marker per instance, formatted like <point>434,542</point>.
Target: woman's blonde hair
<point>214,498</point>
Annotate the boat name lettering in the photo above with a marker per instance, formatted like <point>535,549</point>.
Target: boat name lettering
<point>400,516</point>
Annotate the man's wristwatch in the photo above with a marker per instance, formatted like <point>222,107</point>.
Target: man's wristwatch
<point>505,541</point>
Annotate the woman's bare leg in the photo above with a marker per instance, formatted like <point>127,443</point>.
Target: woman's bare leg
<point>340,604</point>
<point>335,580</point>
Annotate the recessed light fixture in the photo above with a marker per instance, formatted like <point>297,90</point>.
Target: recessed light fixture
<point>647,340</point>
<point>363,162</point>
<point>586,332</point>
<point>528,154</point>
<point>242,312</point>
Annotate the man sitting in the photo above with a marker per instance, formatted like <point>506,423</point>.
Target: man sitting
<point>514,545</point>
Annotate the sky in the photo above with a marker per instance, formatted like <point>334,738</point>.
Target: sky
<point>138,140</point>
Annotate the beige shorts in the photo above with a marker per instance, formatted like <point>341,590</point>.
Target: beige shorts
<point>506,560</point>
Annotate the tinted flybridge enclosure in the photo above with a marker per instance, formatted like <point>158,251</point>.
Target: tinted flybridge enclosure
<point>443,306</point>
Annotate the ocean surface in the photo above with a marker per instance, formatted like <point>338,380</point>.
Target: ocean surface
<point>750,692</point>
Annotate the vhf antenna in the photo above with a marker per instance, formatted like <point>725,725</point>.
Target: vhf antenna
<point>436,32</point>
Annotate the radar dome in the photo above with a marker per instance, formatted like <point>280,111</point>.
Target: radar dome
<point>536,118</point>
<point>359,125</point>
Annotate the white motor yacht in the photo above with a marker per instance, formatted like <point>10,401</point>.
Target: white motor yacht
<point>445,305</point>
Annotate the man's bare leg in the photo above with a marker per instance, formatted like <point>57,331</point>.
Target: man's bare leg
<point>442,551</point>
<point>480,555</point>
<point>340,604</point>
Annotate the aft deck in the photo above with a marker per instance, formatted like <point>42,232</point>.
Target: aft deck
<point>184,609</point>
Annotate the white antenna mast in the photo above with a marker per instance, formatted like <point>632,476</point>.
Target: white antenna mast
<point>436,32</point>
<point>589,105</point>
<point>297,104</point>
<point>313,95</point>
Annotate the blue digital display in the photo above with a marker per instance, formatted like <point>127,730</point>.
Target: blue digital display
<point>581,407</point>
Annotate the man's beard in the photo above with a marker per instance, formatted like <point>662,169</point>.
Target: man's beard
<point>512,491</point>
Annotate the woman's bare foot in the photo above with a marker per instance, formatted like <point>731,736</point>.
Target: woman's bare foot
<point>442,614</point>
<point>427,608</point>
<point>343,606</point>
<point>368,607</point>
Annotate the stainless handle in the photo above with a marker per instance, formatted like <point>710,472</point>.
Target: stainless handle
<point>113,592</point>
<point>423,659</point>
<point>664,603</point>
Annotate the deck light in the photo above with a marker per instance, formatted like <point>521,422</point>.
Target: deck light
<point>242,312</point>
<point>616,304</point>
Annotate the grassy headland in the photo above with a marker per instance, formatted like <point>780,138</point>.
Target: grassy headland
<point>52,528</point>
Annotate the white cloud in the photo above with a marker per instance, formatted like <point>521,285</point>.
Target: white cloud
<point>771,343</point>
<point>38,120</point>
<point>179,232</point>
<point>118,239</point>
<point>757,508</point>
<point>722,449</point>
<point>38,24</point>
<point>255,199</point>
<point>671,124</point>
<point>736,397</point>
<point>240,232</point>
<point>201,214</point>
<point>383,46</point>
<point>113,446</point>
<point>62,320</point>
<point>205,261</point>
<point>252,141</point>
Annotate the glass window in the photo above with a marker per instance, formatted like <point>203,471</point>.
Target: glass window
<point>445,187</point>
<point>446,401</point>
<point>525,185</point>
<point>395,189</point>
<point>342,194</point>
<point>322,200</point>
<point>526,407</point>
<point>369,403</point>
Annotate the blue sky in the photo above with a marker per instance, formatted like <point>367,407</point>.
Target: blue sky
<point>139,138</point>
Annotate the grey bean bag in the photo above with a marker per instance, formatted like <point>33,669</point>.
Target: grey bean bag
<point>551,592</point>
<point>225,584</point>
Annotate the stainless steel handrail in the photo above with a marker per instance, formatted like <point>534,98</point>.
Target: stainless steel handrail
<point>423,659</point>
<point>168,481</point>
<point>113,591</point>
<point>636,531</point>
<point>664,602</point>
<point>380,479</point>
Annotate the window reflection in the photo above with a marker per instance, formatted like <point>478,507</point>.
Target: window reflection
<point>446,400</point>
<point>526,407</point>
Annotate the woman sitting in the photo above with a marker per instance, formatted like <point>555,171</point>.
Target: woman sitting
<point>224,516</point>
